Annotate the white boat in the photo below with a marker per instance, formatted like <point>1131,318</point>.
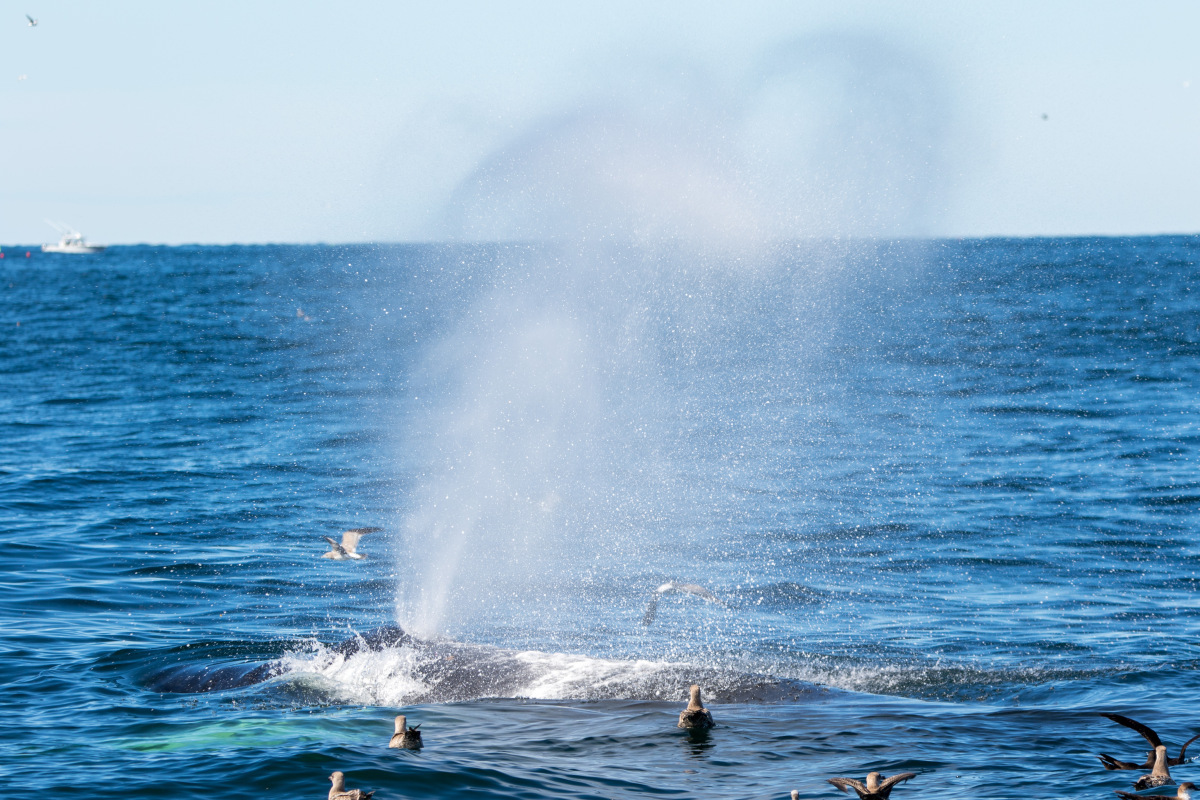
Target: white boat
<point>72,241</point>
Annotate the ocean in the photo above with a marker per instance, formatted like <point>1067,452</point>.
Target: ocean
<point>944,494</point>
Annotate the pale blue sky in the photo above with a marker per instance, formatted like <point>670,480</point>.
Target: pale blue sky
<point>286,121</point>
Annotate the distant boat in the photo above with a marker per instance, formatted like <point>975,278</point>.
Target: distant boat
<point>72,241</point>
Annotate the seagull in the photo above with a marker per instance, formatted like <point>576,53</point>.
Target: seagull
<point>1183,792</point>
<point>878,787</point>
<point>1159,776</point>
<point>695,717</point>
<point>1150,736</point>
<point>405,738</point>
<point>340,792</point>
<point>672,586</point>
<point>349,545</point>
<point>32,22</point>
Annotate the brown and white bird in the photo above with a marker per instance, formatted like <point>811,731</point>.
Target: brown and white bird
<point>695,717</point>
<point>877,787</point>
<point>1150,736</point>
<point>340,792</point>
<point>1182,792</point>
<point>348,548</point>
<point>405,738</point>
<point>1159,776</point>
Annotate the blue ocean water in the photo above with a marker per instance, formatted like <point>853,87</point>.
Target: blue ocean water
<point>946,492</point>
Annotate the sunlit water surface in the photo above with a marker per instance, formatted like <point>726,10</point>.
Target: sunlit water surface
<point>947,491</point>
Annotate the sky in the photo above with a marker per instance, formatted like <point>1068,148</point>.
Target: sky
<point>223,122</point>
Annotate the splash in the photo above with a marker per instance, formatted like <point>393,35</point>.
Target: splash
<point>451,671</point>
<point>562,457</point>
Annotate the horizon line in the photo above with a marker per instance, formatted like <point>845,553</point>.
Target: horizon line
<point>565,240</point>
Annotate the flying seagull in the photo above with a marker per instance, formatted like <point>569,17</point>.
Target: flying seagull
<point>349,544</point>
<point>672,586</point>
<point>405,738</point>
<point>32,22</point>
<point>1150,736</point>
<point>340,792</point>
<point>695,717</point>
<point>1183,792</point>
<point>877,788</point>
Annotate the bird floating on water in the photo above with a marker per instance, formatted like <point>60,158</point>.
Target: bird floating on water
<point>877,787</point>
<point>1150,736</point>
<point>405,738</point>
<point>695,717</point>
<point>1182,792</point>
<point>348,548</point>
<point>32,22</point>
<point>683,588</point>
<point>340,792</point>
<point>1159,776</point>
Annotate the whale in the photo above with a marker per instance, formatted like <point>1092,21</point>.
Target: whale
<point>447,670</point>
<point>190,678</point>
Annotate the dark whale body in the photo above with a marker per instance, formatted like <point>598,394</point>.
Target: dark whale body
<point>456,671</point>
<point>196,678</point>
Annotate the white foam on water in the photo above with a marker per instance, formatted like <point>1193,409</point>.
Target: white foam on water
<point>562,676</point>
<point>448,671</point>
<point>402,675</point>
<point>387,677</point>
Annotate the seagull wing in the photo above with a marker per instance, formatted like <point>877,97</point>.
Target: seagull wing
<point>1111,763</point>
<point>32,21</point>
<point>651,609</point>
<point>1147,734</point>
<point>1183,750</point>
<point>849,783</point>
<point>350,539</point>
<point>684,588</point>
<point>892,781</point>
<point>698,591</point>
<point>333,543</point>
